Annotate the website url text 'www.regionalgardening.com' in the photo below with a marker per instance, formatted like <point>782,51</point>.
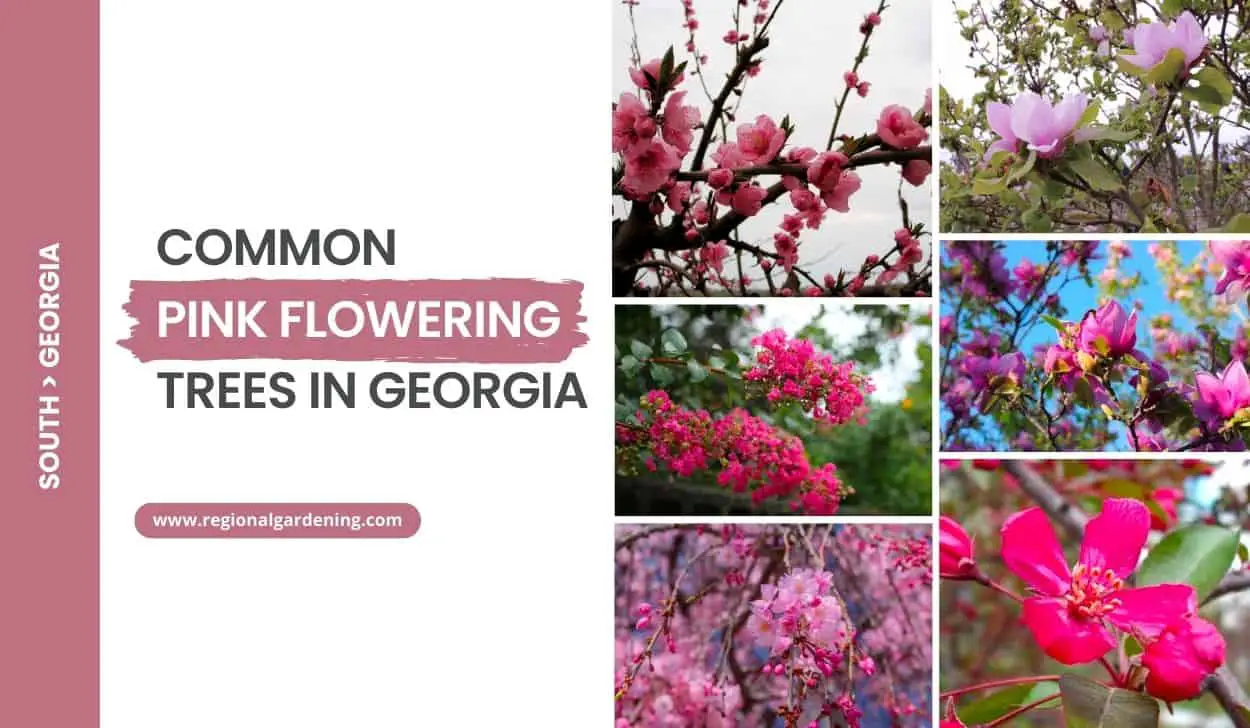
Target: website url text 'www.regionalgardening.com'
<point>277,520</point>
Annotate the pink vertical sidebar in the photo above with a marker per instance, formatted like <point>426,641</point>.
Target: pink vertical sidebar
<point>49,383</point>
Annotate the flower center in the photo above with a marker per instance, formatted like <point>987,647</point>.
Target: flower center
<point>1092,592</point>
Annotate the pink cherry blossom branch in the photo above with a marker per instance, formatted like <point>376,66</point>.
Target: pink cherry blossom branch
<point>846,91</point>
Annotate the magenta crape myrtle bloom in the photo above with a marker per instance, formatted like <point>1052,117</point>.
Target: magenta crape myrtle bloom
<point>1072,609</point>
<point>1044,128</point>
<point>1234,255</point>
<point>1152,41</point>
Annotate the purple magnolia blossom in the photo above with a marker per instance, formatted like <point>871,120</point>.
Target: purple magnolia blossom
<point>988,372</point>
<point>1221,395</point>
<point>1033,120</point>
<point>1152,41</point>
<point>1108,331</point>
<point>1234,255</point>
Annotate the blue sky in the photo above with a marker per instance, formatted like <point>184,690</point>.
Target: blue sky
<point>1079,298</point>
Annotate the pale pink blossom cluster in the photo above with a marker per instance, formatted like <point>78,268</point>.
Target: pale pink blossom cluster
<point>723,626</point>
<point>792,370</point>
<point>753,456</point>
<point>650,141</point>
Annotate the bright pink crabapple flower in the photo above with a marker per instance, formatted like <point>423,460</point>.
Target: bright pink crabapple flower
<point>1033,120</point>
<point>1152,41</point>
<point>956,555</point>
<point>1234,256</point>
<point>1181,658</point>
<point>1072,608</point>
<point>1220,396</point>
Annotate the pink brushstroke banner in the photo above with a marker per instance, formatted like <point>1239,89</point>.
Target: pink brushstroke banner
<point>277,520</point>
<point>356,320</point>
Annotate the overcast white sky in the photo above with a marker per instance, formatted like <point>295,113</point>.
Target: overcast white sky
<point>813,43</point>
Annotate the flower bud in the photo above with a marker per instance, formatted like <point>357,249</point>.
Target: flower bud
<point>955,556</point>
<point>1182,658</point>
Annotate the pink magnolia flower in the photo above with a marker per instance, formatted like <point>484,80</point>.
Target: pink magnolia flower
<point>1071,609</point>
<point>761,142</point>
<point>916,171</point>
<point>1234,255</point>
<point>1183,656</point>
<point>1108,331</point>
<point>1152,41</point>
<point>956,555</point>
<point>679,123</point>
<point>897,127</point>
<point>1220,396</point>
<point>1033,120</point>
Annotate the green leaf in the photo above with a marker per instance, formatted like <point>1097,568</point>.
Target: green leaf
<point>1093,172</point>
<point>1105,133</point>
<point>672,342</point>
<point>997,704</point>
<point>1090,115</point>
<point>1036,221</point>
<point>1022,169</point>
<point>630,365</point>
<point>1214,80</point>
<point>697,371</point>
<point>1111,20</point>
<point>989,185</point>
<point>1124,488</point>
<point>1208,99</point>
<point>1172,8</point>
<point>662,375</point>
<point>1243,553</point>
<point>715,362</point>
<point>1055,323</point>
<point>639,349</point>
<point>1087,704</point>
<point>1198,555</point>
<point>1166,71</point>
<point>1239,224</point>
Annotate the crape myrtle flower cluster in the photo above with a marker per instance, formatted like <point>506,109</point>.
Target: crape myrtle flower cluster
<point>748,453</point>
